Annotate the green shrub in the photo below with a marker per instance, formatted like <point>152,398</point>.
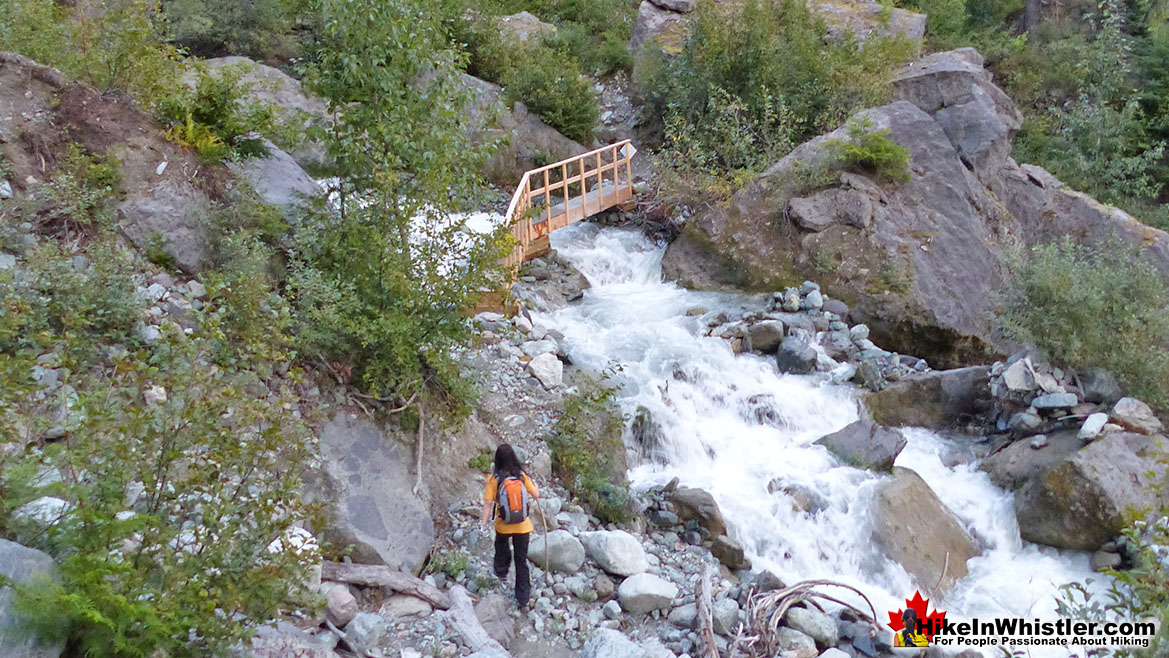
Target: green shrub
<point>82,190</point>
<point>482,461</point>
<point>757,78</point>
<point>872,151</point>
<point>260,29</point>
<point>451,563</point>
<point>1105,308</point>
<point>214,120</point>
<point>588,453</point>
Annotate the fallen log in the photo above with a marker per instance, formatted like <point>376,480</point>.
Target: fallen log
<point>375,575</point>
<point>705,615</point>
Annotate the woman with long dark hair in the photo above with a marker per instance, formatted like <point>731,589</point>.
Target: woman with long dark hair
<point>507,493</point>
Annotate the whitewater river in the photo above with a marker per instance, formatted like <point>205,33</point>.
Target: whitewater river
<point>705,399</point>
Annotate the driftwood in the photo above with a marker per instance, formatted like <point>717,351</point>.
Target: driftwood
<point>373,575</point>
<point>418,466</point>
<point>462,614</point>
<point>768,609</point>
<point>705,615</point>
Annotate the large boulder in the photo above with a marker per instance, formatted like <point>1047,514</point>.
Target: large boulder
<point>559,550</point>
<point>283,94</point>
<point>692,503</point>
<point>916,530</point>
<point>368,478</point>
<point>1080,500</point>
<point>528,141</point>
<point>524,26</point>
<point>1018,463</point>
<point>1135,416</point>
<point>865,444</point>
<point>278,180</point>
<point>935,400</point>
<point>657,32</point>
<point>22,565</point>
<point>615,551</point>
<point>645,593</point>
<point>861,20</point>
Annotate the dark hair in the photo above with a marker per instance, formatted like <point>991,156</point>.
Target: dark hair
<point>906,616</point>
<point>507,464</point>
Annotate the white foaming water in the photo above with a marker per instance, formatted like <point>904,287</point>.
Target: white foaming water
<point>733,425</point>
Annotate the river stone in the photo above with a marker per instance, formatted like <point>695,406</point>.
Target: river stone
<point>692,503</point>
<point>385,525</point>
<point>1018,377</point>
<point>1135,416</point>
<point>766,336</point>
<point>340,605</point>
<point>615,551</point>
<point>646,592</point>
<point>684,615</point>
<point>816,625</point>
<point>1100,387</point>
<point>813,301</point>
<point>565,553</point>
<point>725,616</point>
<point>1079,501</point>
<point>934,400</point>
<point>404,605</point>
<point>914,528</point>
<point>1092,426</point>
<point>728,551</point>
<point>795,644</point>
<point>835,653</point>
<point>22,565</point>
<point>608,643</point>
<point>835,306</point>
<point>366,632</point>
<point>1055,401</point>
<point>281,640</point>
<point>795,356</point>
<point>548,369</point>
<point>865,444</point>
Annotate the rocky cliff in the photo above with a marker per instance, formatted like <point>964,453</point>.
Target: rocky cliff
<point>920,261</point>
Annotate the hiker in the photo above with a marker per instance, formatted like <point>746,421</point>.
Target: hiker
<point>507,492</point>
<point>910,635</point>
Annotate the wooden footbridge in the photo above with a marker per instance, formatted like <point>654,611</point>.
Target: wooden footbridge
<point>559,194</point>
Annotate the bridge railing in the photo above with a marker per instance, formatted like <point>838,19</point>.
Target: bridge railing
<point>568,191</point>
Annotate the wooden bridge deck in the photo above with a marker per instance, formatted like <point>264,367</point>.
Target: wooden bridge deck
<point>562,193</point>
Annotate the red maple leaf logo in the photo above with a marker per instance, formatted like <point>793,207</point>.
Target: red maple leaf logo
<point>931,622</point>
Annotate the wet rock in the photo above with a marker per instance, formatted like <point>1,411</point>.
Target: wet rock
<point>1102,560</point>
<point>1079,500</point>
<point>1135,416</point>
<point>645,592</point>
<point>565,554</point>
<point>816,625</point>
<point>615,551</point>
<point>934,400</point>
<point>696,504</point>
<point>728,551</point>
<point>795,356</point>
<point>766,336</point>
<point>865,444</point>
<point>914,528</point>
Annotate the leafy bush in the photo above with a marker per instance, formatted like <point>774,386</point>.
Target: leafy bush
<point>756,78</point>
<point>588,452</point>
<point>214,119</point>
<point>260,29</point>
<point>872,151</point>
<point>1105,308</point>
<point>81,190</point>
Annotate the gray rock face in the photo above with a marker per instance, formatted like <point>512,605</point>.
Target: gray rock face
<point>1078,501</point>
<point>22,565</point>
<point>615,551</point>
<point>830,207</point>
<point>766,336</point>
<point>865,444</point>
<point>656,30</point>
<point>173,215</point>
<point>914,528</point>
<point>816,625</point>
<point>1135,416</point>
<point>1016,464</point>
<point>565,554</point>
<point>375,511</point>
<point>645,592</point>
<point>697,504</point>
<point>281,641</point>
<point>608,643</point>
<point>795,356</point>
<point>977,116</point>
<point>935,400</point>
<point>278,180</point>
<point>530,141</point>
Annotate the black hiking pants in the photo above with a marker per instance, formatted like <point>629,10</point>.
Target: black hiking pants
<point>503,553</point>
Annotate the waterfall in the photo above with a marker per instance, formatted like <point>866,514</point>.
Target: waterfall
<point>734,426</point>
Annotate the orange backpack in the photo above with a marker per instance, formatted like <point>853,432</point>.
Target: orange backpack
<point>512,499</point>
